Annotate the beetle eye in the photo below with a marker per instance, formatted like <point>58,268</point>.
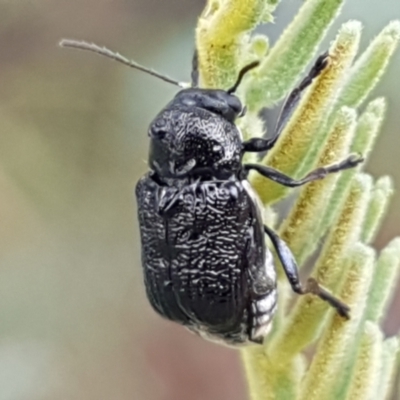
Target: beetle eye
<point>159,133</point>
<point>159,129</point>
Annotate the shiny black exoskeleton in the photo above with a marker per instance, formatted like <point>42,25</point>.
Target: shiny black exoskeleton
<point>204,258</point>
<point>205,262</point>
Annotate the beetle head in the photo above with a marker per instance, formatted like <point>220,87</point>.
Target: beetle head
<point>195,133</point>
<point>216,101</point>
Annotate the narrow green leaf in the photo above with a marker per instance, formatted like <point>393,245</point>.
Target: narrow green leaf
<point>256,367</point>
<point>221,32</point>
<point>286,378</point>
<point>368,128</point>
<point>271,381</point>
<point>387,366</point>
<point>385,280</point>
<point>367,71</point>
<point>309,312</point>
<point>369,68</point>
<point>293,51</point>
<point>367,367</point>
<point>377,208</point>
<point>306,213</point>
<point>297,137</point>
<point>362,78</point>
<point>390,352</point>
<point>321,377</point>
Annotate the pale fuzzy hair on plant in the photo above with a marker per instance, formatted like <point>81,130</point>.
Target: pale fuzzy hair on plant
<point>352,359</point>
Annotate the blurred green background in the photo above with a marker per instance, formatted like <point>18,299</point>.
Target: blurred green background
<point>74,321</point>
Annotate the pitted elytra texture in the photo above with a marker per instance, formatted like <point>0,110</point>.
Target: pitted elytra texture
<point>198,258</point>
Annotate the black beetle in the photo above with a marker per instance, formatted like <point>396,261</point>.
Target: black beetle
<point>204,256</point>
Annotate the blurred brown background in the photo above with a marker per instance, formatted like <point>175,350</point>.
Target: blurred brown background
<point>74,322</point>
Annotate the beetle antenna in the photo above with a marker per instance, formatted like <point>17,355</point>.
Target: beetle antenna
<point>242,73</point>
<point>104,51</point>
<point>195,69</point>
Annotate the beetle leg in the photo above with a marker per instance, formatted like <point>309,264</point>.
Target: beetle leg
<point>261,144</point>
<point>320,173</point>
<point>294,97</point>
<point>291,270</point>
<point>257,145</point>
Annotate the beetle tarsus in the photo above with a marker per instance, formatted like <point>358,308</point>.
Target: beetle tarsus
<point>315,288</point>
<point>291,270</point>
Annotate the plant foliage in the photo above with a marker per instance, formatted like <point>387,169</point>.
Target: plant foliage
<point>352,359</point>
